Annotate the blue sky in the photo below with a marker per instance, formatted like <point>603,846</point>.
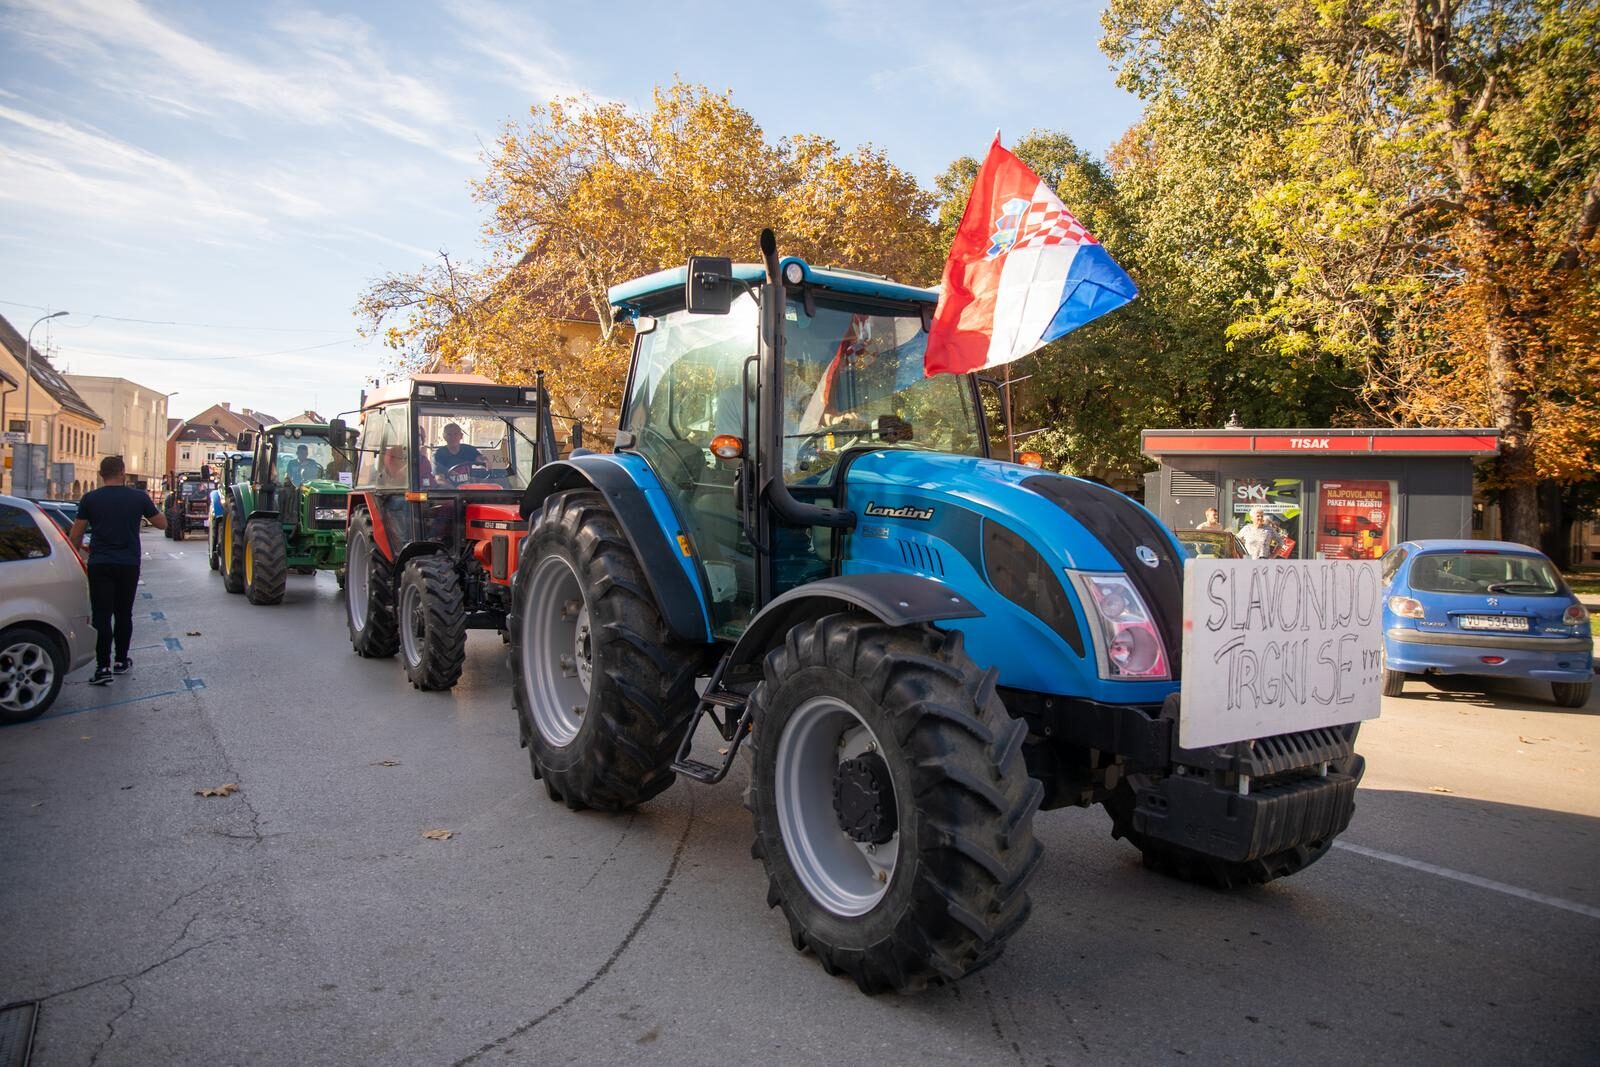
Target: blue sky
<point>244,170</point>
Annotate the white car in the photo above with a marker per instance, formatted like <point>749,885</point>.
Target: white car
<point>45,627</point>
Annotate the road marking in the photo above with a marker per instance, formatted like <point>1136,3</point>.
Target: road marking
<point>158,615</point>
<point>173,644</point>
<point>47,716</point>
<point>1472,879</point>
<point>194,683</point>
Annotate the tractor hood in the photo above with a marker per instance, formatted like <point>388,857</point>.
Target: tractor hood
<point>950,517</point>
<point>323,485</point>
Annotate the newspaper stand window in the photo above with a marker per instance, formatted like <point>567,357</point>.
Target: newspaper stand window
<point>1331,494</point>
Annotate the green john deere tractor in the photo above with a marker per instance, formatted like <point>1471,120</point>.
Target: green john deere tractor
<point>288,512</point>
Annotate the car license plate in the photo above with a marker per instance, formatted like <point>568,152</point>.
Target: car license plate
<point>1493,622</point>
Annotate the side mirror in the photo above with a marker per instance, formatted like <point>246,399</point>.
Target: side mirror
<point>708,290</point>
<point>339,433</point>
<point>894,429</point>
<point>247,441</point>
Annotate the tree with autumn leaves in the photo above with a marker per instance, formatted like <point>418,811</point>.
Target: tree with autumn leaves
<point>587,194</point>
<point>1336,211</point>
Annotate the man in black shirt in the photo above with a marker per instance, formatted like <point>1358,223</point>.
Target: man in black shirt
<point>113,513</point>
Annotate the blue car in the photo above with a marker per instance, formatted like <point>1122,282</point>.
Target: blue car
<point>1487,608</point>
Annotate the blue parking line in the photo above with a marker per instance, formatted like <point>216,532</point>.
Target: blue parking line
<point>194,683</point>
<point>158,615</point>
<point>100,707</point>
<point>173,644</point>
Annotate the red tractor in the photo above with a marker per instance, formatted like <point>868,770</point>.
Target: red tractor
<point>434,525</point>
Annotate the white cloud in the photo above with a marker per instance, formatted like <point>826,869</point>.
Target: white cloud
<point>523,55</point>
<point>317,71</point>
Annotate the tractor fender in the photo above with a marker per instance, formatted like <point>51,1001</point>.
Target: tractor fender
<point>652,528</point>
<point>896,599</point>
<point>411,552</point>
<point>368,502</point>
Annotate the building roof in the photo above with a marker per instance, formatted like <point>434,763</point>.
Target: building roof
<point>49,379</point>
<point>201,431</point>
<point>1474,442</point>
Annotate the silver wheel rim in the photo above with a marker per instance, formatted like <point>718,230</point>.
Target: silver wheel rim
<point>412,623</point>
<point>27,674</point>
<point>845,876</point>
<point>557,650</point>
<point>357,579</point>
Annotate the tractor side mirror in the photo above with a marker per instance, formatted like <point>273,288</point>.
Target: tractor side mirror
<point>339,433</point>
<point>247,441</point>
<point>894,429</point>
<point>708,290</point>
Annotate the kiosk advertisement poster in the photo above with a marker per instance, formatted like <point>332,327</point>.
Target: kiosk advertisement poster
<point>1278,646</point>
<point>1353,520</point>
<point>1280,498</point>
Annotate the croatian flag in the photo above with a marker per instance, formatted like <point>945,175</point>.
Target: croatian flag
<point>1022,272</point>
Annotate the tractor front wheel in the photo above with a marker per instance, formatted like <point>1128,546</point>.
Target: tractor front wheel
<point>233,548</point>
<point>433,623</point>
<point>369,593</point>
<point>266,561</point>
<point>603,689</point>
<point>893,809</point>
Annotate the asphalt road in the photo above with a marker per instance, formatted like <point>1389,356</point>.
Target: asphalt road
<point>305,919</point>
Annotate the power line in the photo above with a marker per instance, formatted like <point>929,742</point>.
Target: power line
<point>246,355</point>
<point>171,322</point>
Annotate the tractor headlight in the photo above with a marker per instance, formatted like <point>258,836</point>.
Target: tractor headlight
<point>1127,645</point>
<point>330,514</point>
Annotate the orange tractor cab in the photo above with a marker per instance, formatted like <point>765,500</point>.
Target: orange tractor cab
<point>434,525</point>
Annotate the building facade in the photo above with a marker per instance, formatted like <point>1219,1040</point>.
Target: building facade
<point>136,424</point>
<point>51,413</point>
<point>196,441</point>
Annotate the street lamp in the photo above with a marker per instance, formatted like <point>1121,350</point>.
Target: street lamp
<point>27,395</point>
<point>27,372</point>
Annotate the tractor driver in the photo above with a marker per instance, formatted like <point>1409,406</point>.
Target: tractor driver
<point>302,468</point>
<point>454,456</point>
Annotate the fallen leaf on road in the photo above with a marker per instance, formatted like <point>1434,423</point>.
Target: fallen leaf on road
<point>722,750</point>
<point>387,763</point>
<point>438,835</point>
<point>226,790</point>
<point>191,633</point>
<point>1533,740</point>
<point>1439,789</point>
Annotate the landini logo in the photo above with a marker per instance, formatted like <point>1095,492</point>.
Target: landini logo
<point>907,512</point>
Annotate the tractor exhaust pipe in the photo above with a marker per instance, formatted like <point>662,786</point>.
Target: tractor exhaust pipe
<point>769,255</point>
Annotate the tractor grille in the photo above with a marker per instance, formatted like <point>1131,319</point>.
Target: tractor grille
<point>325,502</point>
<point>921,557</point>
<point>1288,752</point>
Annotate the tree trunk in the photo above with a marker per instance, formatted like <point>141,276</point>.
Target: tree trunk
<point>1508,399</point>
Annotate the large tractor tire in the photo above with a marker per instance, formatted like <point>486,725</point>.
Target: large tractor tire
<point>175,527</point>
<point>433,623</point>
<point>603,689</point>
<point>893,809</point>
<point>266,561</point>
<point>1191,866</point>
<point>214,543</point>
<point>369,593</point>
<point>233,548</point>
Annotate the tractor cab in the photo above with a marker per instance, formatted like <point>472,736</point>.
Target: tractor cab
<point>445,460</point>
<point>852,384</point>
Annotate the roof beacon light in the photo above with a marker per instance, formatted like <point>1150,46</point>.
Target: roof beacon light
<point>1030,459</point>
<point>727,446</point>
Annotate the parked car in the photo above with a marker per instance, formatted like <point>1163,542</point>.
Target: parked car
<point>63,513</point>
<point>45,630</point>
<point>1212,544</point>
<point>1486,608</point>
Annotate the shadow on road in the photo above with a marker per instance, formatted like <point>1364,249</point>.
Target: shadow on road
<point>1508,694</point>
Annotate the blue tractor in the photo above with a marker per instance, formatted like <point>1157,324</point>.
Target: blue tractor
<point>804,539</point>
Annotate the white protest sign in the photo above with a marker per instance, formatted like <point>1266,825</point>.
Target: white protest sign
<point>1275,646</point>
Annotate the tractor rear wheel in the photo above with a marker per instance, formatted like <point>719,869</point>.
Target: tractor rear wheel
<point>233,548</point>
<point>266,561</point>
<point>433,623</point>
<point>893,809</point>
<point>603,689</point>
<point>369,593</point>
